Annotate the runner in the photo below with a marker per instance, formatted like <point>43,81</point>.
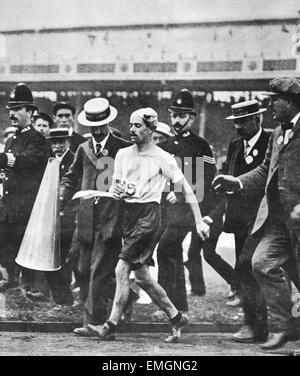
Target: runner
<point>140,175</point>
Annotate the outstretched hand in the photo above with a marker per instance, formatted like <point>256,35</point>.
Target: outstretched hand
<point>226,183</point>
<point>295,215</point>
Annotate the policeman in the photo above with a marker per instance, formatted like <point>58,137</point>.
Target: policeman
<point>24,159</point>
<point>192,150</point>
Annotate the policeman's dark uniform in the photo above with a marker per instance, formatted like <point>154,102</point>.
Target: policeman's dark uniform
<point>22,181</point>
<point>188,147</point>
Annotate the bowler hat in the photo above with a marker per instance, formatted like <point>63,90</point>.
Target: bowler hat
<point>60,105</point>
<point>244,109</point>
<point>289,86</point>
<point>21,96</point>
<point>56,133</point>
<point>183,102</point>
<point>96,112</point>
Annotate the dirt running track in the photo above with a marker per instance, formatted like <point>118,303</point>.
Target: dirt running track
<point>65,344</point>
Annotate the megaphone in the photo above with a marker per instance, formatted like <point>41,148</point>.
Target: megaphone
<point>40,247</point>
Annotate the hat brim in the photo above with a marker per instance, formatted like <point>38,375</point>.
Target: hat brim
<point>21,104</point>
<point>83,120</point>
<point>260,111</point>
<point>182,109</point>
<point>50,138</point>
<point>270,94</point>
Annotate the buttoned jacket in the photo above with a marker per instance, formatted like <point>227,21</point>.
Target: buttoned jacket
<point>105,216</point>
<point>283,159</point>
<point>22,181</point>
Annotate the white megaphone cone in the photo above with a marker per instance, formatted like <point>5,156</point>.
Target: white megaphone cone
<point>40,248</point>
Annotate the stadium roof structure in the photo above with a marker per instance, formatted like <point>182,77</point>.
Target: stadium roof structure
<point>63,14</point>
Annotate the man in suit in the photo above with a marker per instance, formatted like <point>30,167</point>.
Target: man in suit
<point>64,117</point>
<point>98,223</point>
<point>244,154</point>
<point>189,148</point>
<point>24,160</point>
<point>277,180</point>
<point>59,281</point>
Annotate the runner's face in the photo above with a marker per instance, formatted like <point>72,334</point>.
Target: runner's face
<point>139,133</point>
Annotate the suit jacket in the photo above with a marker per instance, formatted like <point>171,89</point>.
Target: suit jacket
<point>75,140</point>
<point>240,213</point>
<point>67,221</point>
<point>282,163</point>
<point>188,149</point>
<point>22,181</point>
<point>87,167</point>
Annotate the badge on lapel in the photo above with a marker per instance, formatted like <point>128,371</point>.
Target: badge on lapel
<point>280,140</point>
<point>104,152</point>
<point>255,152</point>
<point>249,159</point>
<point>291,135</point>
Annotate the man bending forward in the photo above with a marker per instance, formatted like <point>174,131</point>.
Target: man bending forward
<point>140,175</point>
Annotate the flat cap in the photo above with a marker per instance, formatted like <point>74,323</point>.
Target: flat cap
<point>59,105</point>
<point>285,86</point>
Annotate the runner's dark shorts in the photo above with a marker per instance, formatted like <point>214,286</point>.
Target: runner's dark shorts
<point>141,232</point>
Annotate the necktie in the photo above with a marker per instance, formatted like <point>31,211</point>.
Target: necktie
<point>98,148</point>
<point>247,147</point>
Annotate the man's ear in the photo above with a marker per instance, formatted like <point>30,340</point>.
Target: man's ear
<point>31,110</point>
<point>257,120</point>
<point>192,118</point>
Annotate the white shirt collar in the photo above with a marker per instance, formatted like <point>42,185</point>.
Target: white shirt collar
<point>253,140</point>
<point>186,134</point>
<point>71,131</point>
<point>103,142</point>
<point>295,119</point>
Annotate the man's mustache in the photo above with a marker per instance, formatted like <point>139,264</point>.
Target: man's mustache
<point>13,118</point>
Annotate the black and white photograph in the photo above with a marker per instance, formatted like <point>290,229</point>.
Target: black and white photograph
<point>149,181</point>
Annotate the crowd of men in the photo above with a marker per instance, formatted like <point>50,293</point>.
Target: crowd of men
<point>150,193</point>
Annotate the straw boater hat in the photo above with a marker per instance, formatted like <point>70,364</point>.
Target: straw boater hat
<point>58,133</point>
<point>96,112</point>
<point>245,109</point>
<point>21,96</point>
<point>164,129</point>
